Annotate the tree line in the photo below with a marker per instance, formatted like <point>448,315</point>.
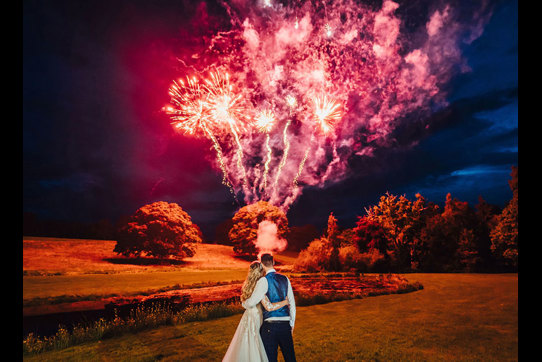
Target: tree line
<point>405,235</point>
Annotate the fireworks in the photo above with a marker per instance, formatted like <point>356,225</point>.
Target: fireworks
<point>226,108</point>
<point>327,112</point>
<point>265,121</point>
<point>307,62</point>
<point>190,113</point>
<point>203,109</point>
<point>291,101</point>
<point>286,143</point>
<point>327,29</point>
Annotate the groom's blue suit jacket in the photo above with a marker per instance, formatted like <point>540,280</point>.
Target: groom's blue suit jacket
<point>277,291</point>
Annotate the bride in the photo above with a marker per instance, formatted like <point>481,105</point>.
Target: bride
<point>246,344</point>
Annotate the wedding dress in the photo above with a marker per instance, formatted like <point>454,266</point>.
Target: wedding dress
<point>246,344</point>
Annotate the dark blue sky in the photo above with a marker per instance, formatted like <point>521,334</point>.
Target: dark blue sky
<point>96,146</point>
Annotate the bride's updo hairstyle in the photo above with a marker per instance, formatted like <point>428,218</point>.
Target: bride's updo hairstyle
<point>254,273</point>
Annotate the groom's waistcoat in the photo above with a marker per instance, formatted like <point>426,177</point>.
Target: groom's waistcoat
<point>277,291</point>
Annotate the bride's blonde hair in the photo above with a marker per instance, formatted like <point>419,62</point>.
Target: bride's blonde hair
<point>254,273</point>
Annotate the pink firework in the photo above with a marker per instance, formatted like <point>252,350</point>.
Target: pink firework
<point>265,121</point>
<point>337,74</point>
<point>189,111</point>
<point>227,109</point>
<point>327,113</point>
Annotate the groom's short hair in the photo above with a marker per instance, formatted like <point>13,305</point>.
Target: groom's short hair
<point>267,260</point>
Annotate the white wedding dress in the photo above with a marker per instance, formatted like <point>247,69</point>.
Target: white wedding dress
<point>246,344</point>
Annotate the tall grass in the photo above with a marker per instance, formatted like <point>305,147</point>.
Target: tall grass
<point>139,319</point>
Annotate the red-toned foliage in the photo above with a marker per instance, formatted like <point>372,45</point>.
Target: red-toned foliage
<point>245,222</point>
<point>160,230</point>
<point>369,234</point>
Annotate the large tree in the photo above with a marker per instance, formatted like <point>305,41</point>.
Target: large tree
<point>403,221</point>
<point>246,220</point>
<point>159,230</point>
<point>449,241</point>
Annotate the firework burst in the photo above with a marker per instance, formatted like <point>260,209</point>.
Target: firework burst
<point>265,121</point>
<point>189,112</point>
<point>227,109</point>
<point>192,112</point>
<point>327,113</point>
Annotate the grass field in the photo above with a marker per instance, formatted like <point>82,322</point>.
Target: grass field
<point>72,267</point>
<point>61,275</point>
<point>460,317</point>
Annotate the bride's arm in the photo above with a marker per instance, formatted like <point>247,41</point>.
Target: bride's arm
<point>273,306</point>
<point>257,294</point>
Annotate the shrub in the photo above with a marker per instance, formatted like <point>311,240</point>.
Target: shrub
<point>315,258</point>
<point>350,258</point>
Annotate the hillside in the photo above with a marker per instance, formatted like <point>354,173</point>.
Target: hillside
<point>46,256</point>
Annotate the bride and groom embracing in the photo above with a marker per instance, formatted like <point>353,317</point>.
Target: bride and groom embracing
<point>268,321</point>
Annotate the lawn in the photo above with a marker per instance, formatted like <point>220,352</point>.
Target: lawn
<point>57,269</point>
<point>461,317</point>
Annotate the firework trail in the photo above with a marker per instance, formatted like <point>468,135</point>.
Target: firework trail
<point>220,159</point>
<point>285,153</point>
<point>265,122</point>
<point>303,160</point>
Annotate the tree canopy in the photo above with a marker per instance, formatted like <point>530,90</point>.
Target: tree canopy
<point>244,230</point>
<point>160,230</point>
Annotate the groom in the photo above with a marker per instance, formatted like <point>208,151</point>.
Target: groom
<point>278,325</point>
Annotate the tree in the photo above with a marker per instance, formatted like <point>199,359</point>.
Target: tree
<point>332,236</point>
<point>403,221</point>
<point>160,230</point>
<point>246,220</point>
<point>504,237</point>
<point>487,216</point>
<point>461,222</point>
<point>448,240</point>
<point>369,234</point>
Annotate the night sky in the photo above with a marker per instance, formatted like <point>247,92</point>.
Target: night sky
<point>96,144</point>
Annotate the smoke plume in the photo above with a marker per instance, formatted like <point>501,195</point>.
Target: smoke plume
<point>267,240</point>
